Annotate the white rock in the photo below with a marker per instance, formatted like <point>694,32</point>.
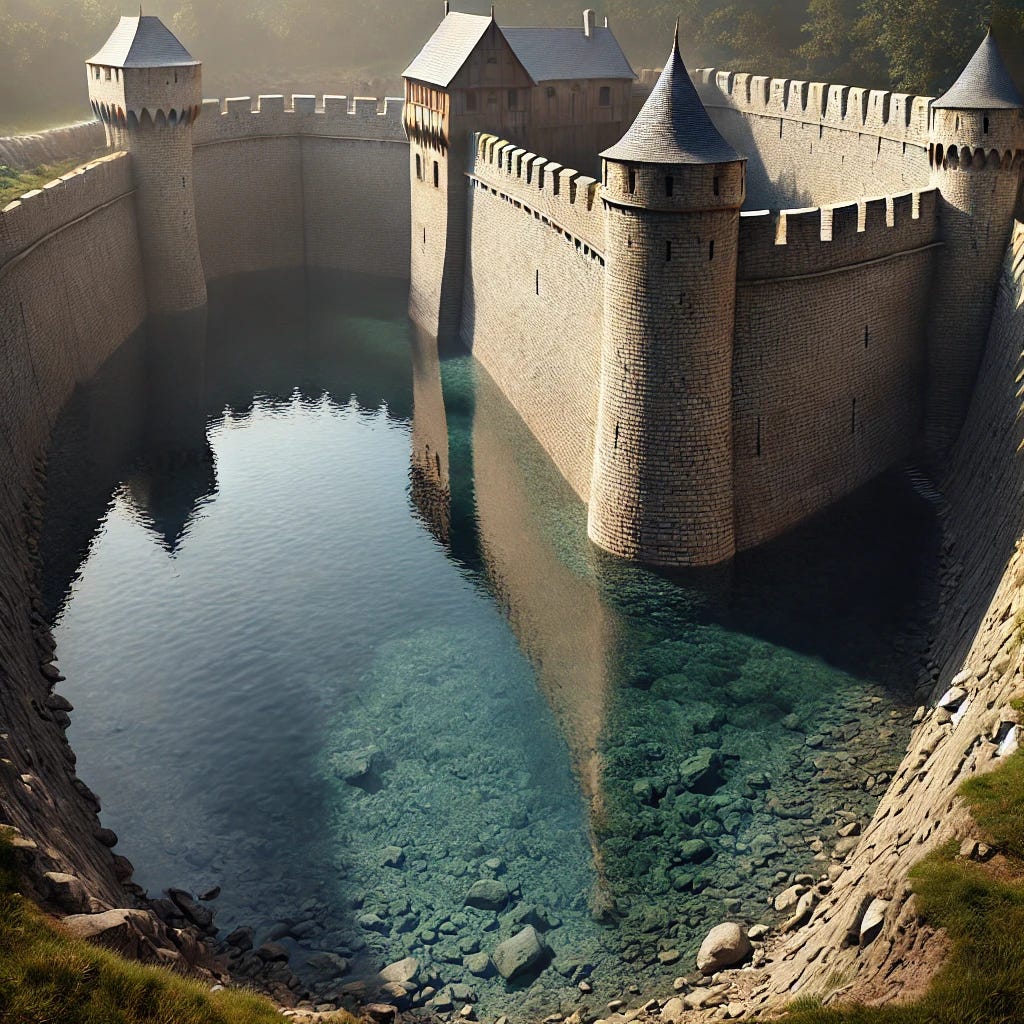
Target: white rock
<point>789,898</point>
<point>871,922</point>
<point>1009,743</point>
<point>673,1009</point>
<point>726,944</point>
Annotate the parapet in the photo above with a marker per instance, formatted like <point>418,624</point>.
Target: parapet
<point>806,242</point>
<point>36,214</point>
<point>360,117</point>
<point>888,115</point>
<point>569,200</point>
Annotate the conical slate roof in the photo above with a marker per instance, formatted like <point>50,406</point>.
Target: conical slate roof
<point>142,42</point>
<point>673,127</point>
<point>985,84</point>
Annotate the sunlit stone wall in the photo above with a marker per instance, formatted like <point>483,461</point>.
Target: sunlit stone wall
<point>810,143</point>
<point>71,292</point>
<point>288,184</point>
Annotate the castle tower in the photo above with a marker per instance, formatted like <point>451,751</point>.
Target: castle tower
<point>662,490</point>
<point>976,136</point>
<point>146,88</point>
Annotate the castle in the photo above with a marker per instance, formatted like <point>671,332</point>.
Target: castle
<point>770,292</point>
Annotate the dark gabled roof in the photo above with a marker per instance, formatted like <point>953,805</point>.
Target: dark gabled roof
<point>557,54</point>
<point>142,42</point>
<point>985,84</point>
<point>448,49</point>
<point>673,127</point>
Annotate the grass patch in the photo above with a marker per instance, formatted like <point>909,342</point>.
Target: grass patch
<point>981,906</point>
<point>47,976</point>
<point>14,183</point>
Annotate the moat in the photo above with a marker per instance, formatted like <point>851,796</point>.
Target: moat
<point>338,644</point>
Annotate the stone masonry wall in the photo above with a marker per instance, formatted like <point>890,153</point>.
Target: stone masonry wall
<point>533,305</point>
<point>809,143</point>
<point>829,354</point>
<point>302,184</point>
<point>71,291</point>
<point>73,141</point>
<point>967,726</point>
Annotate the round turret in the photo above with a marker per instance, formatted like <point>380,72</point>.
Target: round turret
<point>146,88</point>
<point>976,139</point>
<point>662,490</point>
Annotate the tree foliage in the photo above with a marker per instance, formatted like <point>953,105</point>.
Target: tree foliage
<point>908,45</point>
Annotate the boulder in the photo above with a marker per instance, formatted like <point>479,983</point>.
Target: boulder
<point>401,971</point>
<point>789,898</point>
<point>66,891</point>
<point>519,953</point>
<point>673,1009</point>
<point>487,894</point>
<point>726,944</point>
<point>200,916</point>
<point>702,771</point>
<point>872,921</point>
<point>126,931</point>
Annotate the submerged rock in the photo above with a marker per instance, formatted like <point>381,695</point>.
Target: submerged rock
<point>487,894</point>
<point>518,953</point>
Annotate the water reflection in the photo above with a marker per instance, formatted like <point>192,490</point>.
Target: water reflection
<point>386,630</point>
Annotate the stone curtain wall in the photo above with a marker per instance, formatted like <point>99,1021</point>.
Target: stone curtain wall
<point>71,291</point>
<point>977,647</point>
<point>302,185</point>
<point>829,353</point>
<point>811,143</point>
<point>73,141</point>
<point>534,292</point>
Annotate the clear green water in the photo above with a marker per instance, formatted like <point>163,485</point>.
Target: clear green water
<point>318,594</point>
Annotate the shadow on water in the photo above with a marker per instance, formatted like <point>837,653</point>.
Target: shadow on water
<point>360,717</point>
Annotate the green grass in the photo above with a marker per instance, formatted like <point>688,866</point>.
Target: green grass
<point>47,977</point>
<point>14,183</point>
<point>981,906</point>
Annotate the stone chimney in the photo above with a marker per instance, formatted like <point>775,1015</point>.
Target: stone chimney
<point>589,20</point>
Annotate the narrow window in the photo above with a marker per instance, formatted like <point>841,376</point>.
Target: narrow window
<point>867,336</point>
<point>513,99</point>
<point>419,167</point>
<point>669,183</point>
<point>470,101</point>
<point>758,436</point>
<point>437,175</point>
<point>536,283</point>
<point>551,92</point>
<point>668,252</point>
<point>714,185</point>
<point>984,126</point>
<point>711,250</point>
<point>853,417</point>
<point>424,236</point>
<point>175,76</point>
<point>106,74</point>
<point>632,181</point>
<point>604,97</point>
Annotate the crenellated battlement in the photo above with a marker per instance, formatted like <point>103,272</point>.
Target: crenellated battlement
<point>59,203</point>
<point>818,240</point>
<point>569,200</point>
<point>900,117</point>
<point>359,117</point>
